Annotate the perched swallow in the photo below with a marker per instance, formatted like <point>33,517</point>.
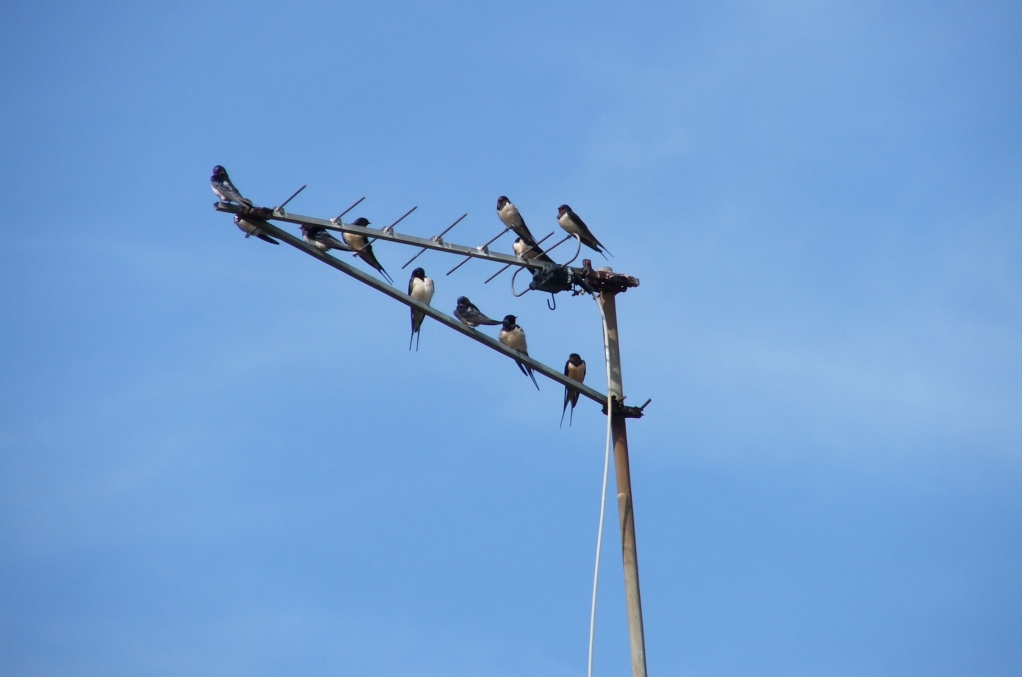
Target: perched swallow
<point>420,288</point>
<point>470,315</point>
<point>225,190</point>
<point>571,222</point>
<point>530,250</point>
<point>251,227</point>
<point>510,217</point>
<point>321,239</point>
<point>574,368</point>
<point>364,250</point>
<point>513,337</point>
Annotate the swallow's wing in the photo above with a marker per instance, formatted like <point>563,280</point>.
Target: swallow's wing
<point>478,318</point>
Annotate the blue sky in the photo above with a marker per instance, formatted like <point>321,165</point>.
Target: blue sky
<point>218,457</point>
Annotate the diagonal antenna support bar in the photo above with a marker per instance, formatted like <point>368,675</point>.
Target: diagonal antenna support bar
<point>392,292</point>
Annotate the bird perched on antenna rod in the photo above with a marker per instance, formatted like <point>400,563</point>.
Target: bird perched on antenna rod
<point>510,217</point>
<point>224,188</point>
<point>362,248</point>
<point>529,250</point>
<point>574,225</point>
<point>513,337</point>
<point>420,288</point>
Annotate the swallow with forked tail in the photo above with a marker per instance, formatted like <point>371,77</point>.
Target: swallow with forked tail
<point>512,218</point>
<point>574,225</point>
<point>363,249</point>
<point>513,337</point>
<point>420,288</point>
<point>574,368</point>
<point>224,188</point>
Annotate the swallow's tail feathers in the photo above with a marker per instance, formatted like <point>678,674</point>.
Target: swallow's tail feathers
<point>564,408</point>
<point>417,317</point>
<point>532,376</point>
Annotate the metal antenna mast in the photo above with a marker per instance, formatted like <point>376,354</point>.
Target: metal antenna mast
<point>547,277</point>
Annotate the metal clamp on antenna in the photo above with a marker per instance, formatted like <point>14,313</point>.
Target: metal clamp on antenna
<point>552,280</point>
<point>389,230</point>
<point>624,410</point>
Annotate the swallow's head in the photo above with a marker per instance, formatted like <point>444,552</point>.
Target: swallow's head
<point>463,302</point>
<point>575,359</point>
<point>562,210</point>
<point>501,201</point>
<point>304,228</point>
<point>219,173</point>
<point>509,322</point>
<point>360,221</point>
<point>419,273</point>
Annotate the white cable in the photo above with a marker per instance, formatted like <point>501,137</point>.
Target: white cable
<point>603,494</point>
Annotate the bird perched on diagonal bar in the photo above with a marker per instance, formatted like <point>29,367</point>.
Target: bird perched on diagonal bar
<point>321,239</point>
<point>513,337</point>
<point>420,288</point>
<point>251,227</point>
<point>468,313</point>
<point>574,368</point>
<point>574,225</point>
<point>224,188</point>
<point>363,249</point>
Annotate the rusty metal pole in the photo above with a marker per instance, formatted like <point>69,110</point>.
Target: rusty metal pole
<point>633,601</point>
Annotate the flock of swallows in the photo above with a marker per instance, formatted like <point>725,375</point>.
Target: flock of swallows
<point>420,287</point>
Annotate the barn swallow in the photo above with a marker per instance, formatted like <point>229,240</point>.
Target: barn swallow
<point>364,250</point>
<point>251,227</point>
<point>571,222</point>
<point>321,239</point>
<point>530,250</point>
<point>510,217</point>
<point>225,190</point>
<point>470,315</point>
<point>420,288</point>
<point>574,368</point>
<point>513,337</point>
